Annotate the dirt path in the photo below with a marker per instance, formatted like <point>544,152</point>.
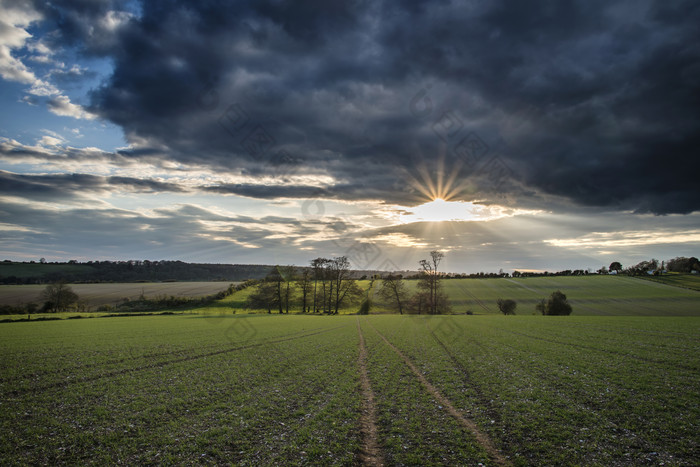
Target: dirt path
<point>481,437</point>
<point>370,453</point>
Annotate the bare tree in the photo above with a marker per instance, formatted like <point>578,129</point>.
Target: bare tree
<point>275,277</point>
<point>341,285</point>
<point>394,289</point>
<point>288,274</point>
<point>306,287</point>
<point>319,268</point>
<point>430,280</point>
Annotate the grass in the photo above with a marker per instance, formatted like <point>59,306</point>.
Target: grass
<point>259,389</point>
<point>687,281</point>
<point>590,295</point>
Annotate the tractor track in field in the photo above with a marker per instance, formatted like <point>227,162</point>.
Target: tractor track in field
<point>59,371</point>
<point>474,297</point>
<point>370,453</point>
<point>482,438</point>
<point>123,371</point>
<point>482,398</point>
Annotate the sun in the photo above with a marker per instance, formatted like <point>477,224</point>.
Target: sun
<point>439,210</point>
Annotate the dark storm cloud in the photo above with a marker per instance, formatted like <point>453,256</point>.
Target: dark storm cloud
<point>591,101</point>
<point>345,192</point>
<point>47,187</point>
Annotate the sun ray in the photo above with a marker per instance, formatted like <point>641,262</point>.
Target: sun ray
<point>434,184</point>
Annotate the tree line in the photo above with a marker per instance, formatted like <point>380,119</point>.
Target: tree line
<point>324,287</point>
<point>328,285</point>
<point>679,264</point>
<point>126,271</point>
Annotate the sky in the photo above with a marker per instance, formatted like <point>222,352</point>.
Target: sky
<point>540,135</point>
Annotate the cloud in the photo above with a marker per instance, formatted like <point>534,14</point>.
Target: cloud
<point>56,186</point>
<point>574,101</point>
<point>184,232</point>
<point>61,105</point>
<point>624,239</point>
<point>568,107</point>
<point>15,17</point>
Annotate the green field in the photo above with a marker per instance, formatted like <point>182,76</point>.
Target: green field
<point>688,281</point>
<point>293,390</point>
<point>112,294</point>
<point>589,295</point>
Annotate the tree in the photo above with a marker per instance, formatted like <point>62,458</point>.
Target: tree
<point>276,278</point>
<point>429,282</point>
<point>643,267</point>
<point>270,292</point>
<point>418,303</point>
<point>264,296</point>
<point>287,274</point>
<point>683,264</point>
<point>615,266</point>
<point>394,290</point>
<point>341,286</point>
<point>507,306</point>
<point>58,297</point>
<point>319,267</point>
<point>306,287</point>
<point>556,305</point>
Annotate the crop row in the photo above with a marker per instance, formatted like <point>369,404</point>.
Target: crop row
<point>260,390</point>
<point>93,349</point>
<point>414,428</point>
<point>547,402</point>
<point>291,401</point>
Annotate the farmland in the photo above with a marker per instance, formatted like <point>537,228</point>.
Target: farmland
<point>112,294</point>
<point>340,390</point>
<point>590,295</point>
<point>688,281</point>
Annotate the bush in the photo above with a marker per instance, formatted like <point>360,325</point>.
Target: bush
<point>556,305</point>
<point>507,306</point>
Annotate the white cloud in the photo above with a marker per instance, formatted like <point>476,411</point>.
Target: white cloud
<point>626,239</point>
<point>440,210</point>
<point>14,22</point>
<point>13,35</point>
<point>50,141</point>
<point>61,105</point>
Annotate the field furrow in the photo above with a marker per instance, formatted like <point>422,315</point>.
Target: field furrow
<point>347,390</point>
<point>483,439</point>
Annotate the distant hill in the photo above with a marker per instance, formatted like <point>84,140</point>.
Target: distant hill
<point>135,271</point>
<point>127,271</point>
